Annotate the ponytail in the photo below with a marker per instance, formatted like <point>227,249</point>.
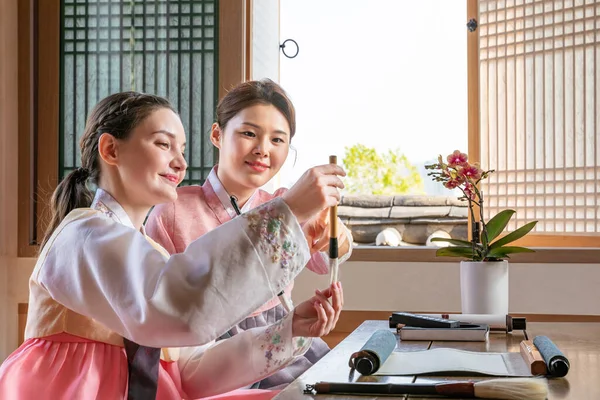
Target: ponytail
<point>70,194</point>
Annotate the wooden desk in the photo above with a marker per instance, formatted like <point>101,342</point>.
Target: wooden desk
<point>580,342</point>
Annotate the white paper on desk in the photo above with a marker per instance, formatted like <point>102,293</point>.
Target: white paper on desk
<point>453,361</point>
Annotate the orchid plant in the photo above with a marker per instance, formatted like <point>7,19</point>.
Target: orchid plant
<point>486,244</point>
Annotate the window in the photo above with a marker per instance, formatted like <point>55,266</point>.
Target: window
<point>166,48</point>
<point>539,74</point>
<point>374,81</point>
<point>81,51</point>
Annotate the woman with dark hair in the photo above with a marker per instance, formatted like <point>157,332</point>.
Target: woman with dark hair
<point>255,124</point>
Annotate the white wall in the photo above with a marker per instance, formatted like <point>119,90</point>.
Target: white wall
<point>434,287</point>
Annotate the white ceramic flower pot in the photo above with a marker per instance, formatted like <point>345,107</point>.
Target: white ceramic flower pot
<point>484,287</point>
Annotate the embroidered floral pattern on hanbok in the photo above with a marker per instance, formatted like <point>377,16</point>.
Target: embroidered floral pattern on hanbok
<point>273,347</point>
<point>300,342</point>
<point>100,206</point>
<point>301,345</point>
<point>110,207</point>
<point>273,235</point>
<point>274,344</point>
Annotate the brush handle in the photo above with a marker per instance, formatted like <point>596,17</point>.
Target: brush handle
<point>461,389</point>
<point>333,229</point>
<point>533,358</point>
<point>333,248</point>
<point>333,234</point>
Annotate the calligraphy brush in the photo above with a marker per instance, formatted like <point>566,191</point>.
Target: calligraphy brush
<point>507,388</point>
<point>333,234</point>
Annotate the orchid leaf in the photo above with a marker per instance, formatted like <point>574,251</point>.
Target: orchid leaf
<point>456,242</point>
<point>497,224</point>
<point>455,252</point>
<point>511,237</point>
<point>502,252</point>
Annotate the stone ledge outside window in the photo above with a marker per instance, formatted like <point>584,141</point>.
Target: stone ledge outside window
<point>417,218</point>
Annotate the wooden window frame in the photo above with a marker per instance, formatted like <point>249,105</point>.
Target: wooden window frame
<point>38,104</point>
<point>474,147</point>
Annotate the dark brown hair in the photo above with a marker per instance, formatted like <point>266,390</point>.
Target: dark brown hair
<point>250,93</point>
<point>117,114</point>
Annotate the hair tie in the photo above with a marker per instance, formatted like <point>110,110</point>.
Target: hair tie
<point>81,174</point>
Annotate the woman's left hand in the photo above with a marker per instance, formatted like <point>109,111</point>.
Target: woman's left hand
<point>316,317</point>
<point>316,231</point>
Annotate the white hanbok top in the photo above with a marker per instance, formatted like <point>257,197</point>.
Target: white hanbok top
<point>100,278</point>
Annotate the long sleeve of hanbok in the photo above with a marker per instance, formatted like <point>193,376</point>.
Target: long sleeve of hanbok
<point>110,272</point>
<point>243,359</point>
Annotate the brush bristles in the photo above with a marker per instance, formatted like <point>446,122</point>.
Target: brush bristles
<point>512,389</point>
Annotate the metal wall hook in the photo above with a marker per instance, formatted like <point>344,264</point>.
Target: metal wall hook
<point>282,47</point>
<point>472,25</point>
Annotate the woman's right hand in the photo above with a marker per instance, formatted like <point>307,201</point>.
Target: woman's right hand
<point>317,189</point>
<point>317,317</point>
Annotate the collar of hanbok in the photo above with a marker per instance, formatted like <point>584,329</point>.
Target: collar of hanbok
<point>109,206</point>
<point>225,197</point>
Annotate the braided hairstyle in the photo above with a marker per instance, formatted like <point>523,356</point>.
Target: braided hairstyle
<point>118,115</point>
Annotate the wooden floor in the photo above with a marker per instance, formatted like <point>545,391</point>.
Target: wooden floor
<point>334,338</point>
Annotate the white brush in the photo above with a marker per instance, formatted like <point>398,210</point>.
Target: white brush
<point>504,388</point>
